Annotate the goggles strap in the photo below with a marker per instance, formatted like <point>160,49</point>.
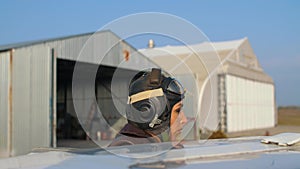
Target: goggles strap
<point>145,95</point>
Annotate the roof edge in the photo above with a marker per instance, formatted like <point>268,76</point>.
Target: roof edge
<point>34,42</point>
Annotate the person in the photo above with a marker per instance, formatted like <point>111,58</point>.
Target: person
<point>154,110</point>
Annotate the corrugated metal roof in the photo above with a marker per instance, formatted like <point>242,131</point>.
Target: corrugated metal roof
<point>199,48</point>
<point>206,55</point>
<point>34,42</point>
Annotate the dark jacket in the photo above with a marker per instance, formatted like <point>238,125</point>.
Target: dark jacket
<point>131,135</point>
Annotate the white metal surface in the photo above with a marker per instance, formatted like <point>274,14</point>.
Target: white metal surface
<point>228,153</point>
<point>21,102</point>
<point>31,99</point>
<point>283,139</point>
<point>250,104</point>
<point>4,102</point>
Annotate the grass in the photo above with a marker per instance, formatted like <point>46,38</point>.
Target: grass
<point>289,116</point>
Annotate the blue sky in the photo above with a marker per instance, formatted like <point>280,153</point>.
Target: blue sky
<point>272,27</point>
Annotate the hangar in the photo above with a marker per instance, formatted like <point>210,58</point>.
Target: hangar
<point>235,94</point>
<point>37,101</point>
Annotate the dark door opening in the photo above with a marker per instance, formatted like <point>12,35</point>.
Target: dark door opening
<point>68,129</point>
<point>69,132</point>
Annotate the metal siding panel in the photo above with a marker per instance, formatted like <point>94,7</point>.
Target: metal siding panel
<point>65,49</point>
<point>228,117</point>
<point>251,104</point>
<point>61,49</point>
<point>238,118</point>
<point>229,97</point>
<point>40,96</point>
<point>72,48</point>
<point>4,102</point>
<point>115,49</point>
<point>110,47</point>
<point>246,101</point>
<point>103,49</point>
<point>233,106</point>
<point>31,93</point>
<point>87,52</point>
<point>21,101</point>
<point>251,111</point>
<point>259,106</point>
<point>258,101</point>
<point>116,52</point>
<point>270,103</point>
<point>91,48</point>
<point>244,115</point>
<point>101,44</point>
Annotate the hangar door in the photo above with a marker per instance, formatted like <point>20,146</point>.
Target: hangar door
<point>31,99</point>
<point>250,104</point>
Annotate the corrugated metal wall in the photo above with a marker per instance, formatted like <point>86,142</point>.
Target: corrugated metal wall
<point>31,98</point>
<point>250,104</point>
<point>41,84</point>
<point>91,47</point>
<point>101,47</point>
<point>21,101</point>
<point>31,88</point>
<point>4,102</point>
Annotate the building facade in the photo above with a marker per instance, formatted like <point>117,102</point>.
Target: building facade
<point>234,92</point>
<point>38,103</point>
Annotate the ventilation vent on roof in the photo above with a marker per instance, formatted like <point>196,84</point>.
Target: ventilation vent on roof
<point>151,43</point>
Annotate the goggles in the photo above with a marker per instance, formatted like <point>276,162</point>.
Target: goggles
<point>173,88</point>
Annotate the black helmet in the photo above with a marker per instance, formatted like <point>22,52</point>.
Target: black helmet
<point>151,98</point>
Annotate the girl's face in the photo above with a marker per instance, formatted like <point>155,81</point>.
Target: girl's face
<point>178,121</point>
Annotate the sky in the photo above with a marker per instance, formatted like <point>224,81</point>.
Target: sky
<point>271,26</point>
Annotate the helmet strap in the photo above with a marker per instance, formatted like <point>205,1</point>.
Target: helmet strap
<point>155,121</point>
